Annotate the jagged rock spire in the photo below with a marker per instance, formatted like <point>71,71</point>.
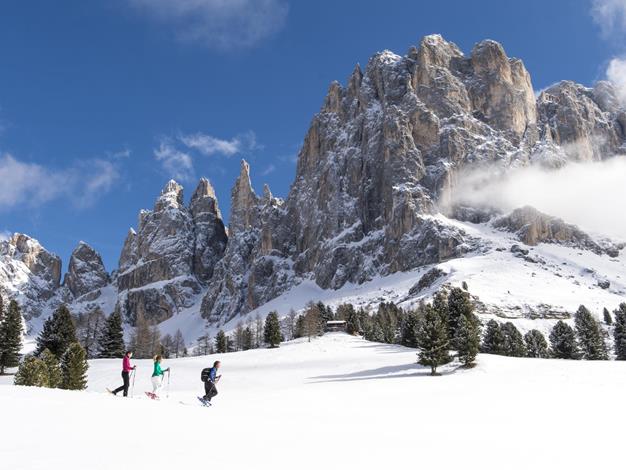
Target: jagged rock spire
<point>204,199</point>
<point>244,202</point>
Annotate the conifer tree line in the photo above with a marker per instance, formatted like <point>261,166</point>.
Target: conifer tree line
<point>11,330</point>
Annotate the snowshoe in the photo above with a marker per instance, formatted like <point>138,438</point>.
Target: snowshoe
<point>152,396</point>
<point>204,402</point>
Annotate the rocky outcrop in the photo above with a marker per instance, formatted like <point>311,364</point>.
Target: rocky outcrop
<point>164,264</point>
<point>85,272</point>
<point>29,273</point>
<point>533,227</point>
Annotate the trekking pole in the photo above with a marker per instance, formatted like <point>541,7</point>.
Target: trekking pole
<point>132,388</point>
<point>167,393</point>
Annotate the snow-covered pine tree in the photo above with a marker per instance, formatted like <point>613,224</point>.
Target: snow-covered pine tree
<point>221,342</point>
<point>619,332</point>
<point>493,341</point>
<point>459,304</point>
<point>74,368</point>
<point>112,337</point>
<point>432,340</point>
<point>563,342</point>
<point>408,329</point>
<point>468,339</point>
<point>607,317</point>
<point>513,341</point>
<point>590,336</point>
<point>271,332</point>
<point>10,337</point>
<point>32,372</point>
<point>53,369</point>
<point>58,333</point>
<point>536,344</point>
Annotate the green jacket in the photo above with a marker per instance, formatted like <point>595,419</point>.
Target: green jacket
<point>157,369</point>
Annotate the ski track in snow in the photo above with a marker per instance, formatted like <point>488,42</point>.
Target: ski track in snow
<point>337,402</point>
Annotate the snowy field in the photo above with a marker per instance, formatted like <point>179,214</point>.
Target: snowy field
<point>337,402</point>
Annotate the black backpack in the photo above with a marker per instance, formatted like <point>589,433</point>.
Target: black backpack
<point>204,375</point>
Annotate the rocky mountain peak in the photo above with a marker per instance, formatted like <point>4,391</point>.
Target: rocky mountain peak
<point>204,199</point>
<point>86,271</point>
<point>171,196</point>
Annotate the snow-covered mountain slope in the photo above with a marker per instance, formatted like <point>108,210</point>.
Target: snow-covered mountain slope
<point>337,402</point>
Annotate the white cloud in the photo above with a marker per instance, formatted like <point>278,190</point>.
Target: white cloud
<point>271,168</point>
<point>5,235</point>
<point>31,184</point>
<point>610,16</point>
<point>591,195</point>
<point>616,74</point>
<point>209,145</point>
<point>217,24</point>
<point>177,164</point>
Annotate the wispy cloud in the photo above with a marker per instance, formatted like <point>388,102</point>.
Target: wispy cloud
<point>32,184</point>
<point>610,16</point>
<point>209,145</point>
<point>177,164</point>
<point>217,24</point>
<point>177,154</point>
<point>271,168</point>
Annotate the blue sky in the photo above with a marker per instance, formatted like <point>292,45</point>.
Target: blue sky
<point>101,102</point>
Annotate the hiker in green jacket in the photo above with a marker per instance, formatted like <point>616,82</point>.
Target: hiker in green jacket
<point>157,375</point>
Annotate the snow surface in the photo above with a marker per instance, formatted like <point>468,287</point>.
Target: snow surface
<point>337,402</point>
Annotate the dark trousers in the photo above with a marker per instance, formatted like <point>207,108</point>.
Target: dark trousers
<point>210,390</point>
<point>126,379</point>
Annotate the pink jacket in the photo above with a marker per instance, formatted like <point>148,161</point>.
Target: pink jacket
<point>126,367</point>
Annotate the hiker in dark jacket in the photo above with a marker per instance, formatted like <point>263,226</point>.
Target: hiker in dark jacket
<point>210,390</point>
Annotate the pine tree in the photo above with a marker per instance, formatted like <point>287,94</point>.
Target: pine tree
<point>74,368</point>
<point>493,342</point>
<point>590,337</point>
<point>58,333</point>
<point>300,327</point>
<point>607,317</point>
<point>204,345</point>
<point>513,341</point>
<point>53,369</point>
<point>10,337</point>
<point>32,372</point>
<point>619,332</point>
<point>563,342</point>
<point>536,344</point>
<point>221,342</point>
<point>468,339</point>
<point>248,338</point>
<point>112,337</point>
<point>459,304</point>
<point>432,339</point>
<point>271,333</point>
<point>408,330</point>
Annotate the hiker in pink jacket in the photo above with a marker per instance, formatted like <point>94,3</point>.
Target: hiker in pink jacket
<point>126,368</point>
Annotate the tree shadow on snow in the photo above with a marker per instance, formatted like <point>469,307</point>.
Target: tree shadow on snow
<point>387,372</point>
